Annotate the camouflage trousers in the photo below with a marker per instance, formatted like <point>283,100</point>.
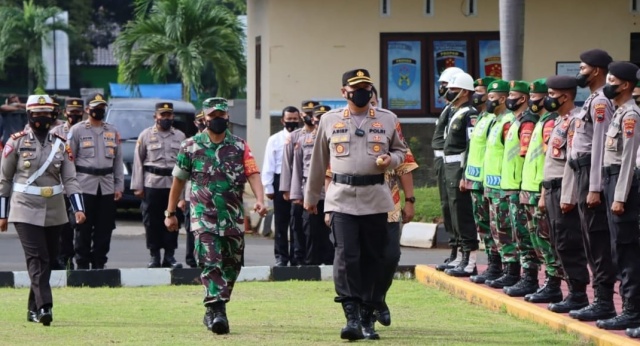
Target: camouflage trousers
<point>500,225</point>
<point>481,217</point>
<point>521,235</point>
<point>220,258</point>
<point>540,231</point>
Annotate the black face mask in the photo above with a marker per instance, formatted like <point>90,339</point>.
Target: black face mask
<point>451,95</point>
<point>74,118</point>
<point>442,90</point>
<point>291,125</point>
<point>218,125</point>
<point>98,113</point>
<point>492,105</point>
<point>308,120</point>
<point>360,97</point>
<point>513,104</point>
<point>201,126</point>
<point>536,105</point>
<point>478,99</point>
<point>637,99</point>
<point>551,104</point>
<point>165,124</point>
<point>582,80</point>
<point>610,91</point>
<point>40,125</point>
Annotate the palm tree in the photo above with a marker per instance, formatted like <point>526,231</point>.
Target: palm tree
<point>183,36</point>
<point>23,31</point>
<point>511,38</point>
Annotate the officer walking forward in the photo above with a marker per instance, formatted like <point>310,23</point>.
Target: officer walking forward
<point>359,143</point>
<point>35,165</point>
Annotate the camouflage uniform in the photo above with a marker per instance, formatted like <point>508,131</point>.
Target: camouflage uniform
<point>218,173</point>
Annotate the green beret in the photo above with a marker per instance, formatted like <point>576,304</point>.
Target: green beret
<point>519,86</point>
<point>539,86</point>
<point>483,81</point>
<point>498,86</point>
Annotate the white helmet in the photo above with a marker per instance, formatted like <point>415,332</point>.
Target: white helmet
<point>448,73</point>
<point>462,81</point>
<point>40,103</point>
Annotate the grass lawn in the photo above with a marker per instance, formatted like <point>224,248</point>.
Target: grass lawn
<point>261,313</point>
<point>427,206</point>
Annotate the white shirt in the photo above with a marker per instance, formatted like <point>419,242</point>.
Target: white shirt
<point>273,159</point>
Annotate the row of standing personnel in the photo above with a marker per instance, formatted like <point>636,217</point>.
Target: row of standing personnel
<point>548,183</point>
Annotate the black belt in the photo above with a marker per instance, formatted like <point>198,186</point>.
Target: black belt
<point>580,162</point>
<point>612,170</point>
<point>165,172</point>
<point>94,171</point>
<point>552,184</point>
<point>358,180</point>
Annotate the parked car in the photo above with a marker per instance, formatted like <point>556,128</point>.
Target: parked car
<point>131,116</point>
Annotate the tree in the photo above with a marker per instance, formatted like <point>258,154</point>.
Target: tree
<point>183,36</point>
<point>22,33</point>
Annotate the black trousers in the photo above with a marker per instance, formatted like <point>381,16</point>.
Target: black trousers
<point>283,251</point>
<point>438,165</point>
<point>153,206</point>
<point>461,209</point>
<point>567,238</point>
<point>189,257</point>
<point>298,245</point>
<point>625,238</point>
<point>595,233</point>
<point>390,262</point>
<point>93,237</point>
<point>66,236</point>
<point>40,245</point>
<point>319,247</point>
<point>360,245</point>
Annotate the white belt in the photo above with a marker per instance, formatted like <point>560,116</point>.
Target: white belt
<point>452,158</point>
<point>438,153</point>
<point>44,191</point>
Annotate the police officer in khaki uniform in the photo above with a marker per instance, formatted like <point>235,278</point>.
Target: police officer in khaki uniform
<point>359,143</point>
<point>35,165</point>
<point>621,191</point>
<point>95,145</point>
<point>74,110</point>
<point>153,161</point>
<point>319,249</point>
<point>585,164</point>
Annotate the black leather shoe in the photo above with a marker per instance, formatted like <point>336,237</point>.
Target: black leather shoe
<point>32,316</point>
<point>45,316</point>
<point>383,315</point>
<point>170,262</point>
<point>633,332</point>
<point>154,262</point>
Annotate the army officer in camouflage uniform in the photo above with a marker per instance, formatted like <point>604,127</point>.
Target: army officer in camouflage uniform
<point>35,165</point>
<point>218,165</point>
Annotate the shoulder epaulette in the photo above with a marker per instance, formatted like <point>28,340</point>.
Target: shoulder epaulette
<point>63,138</point>
<point>17,135</point>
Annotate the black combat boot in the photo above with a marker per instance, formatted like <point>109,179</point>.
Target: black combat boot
<point>353,330</point>
<point>633,332</point>
<point>169,261</point>
<point>466,267</point>
<point>452,261</point>
<point>220,324</point>
<point>155,259</point>
<point>629,318</point>
<point>493,271</point>
<point>368,322</point>
<point>601,308</point>
<point>550,292</point>
<point>528,283</point>
<point>575,300</point>
<point>509,278</point>
<point>207,320</point>
<point>383,315</point>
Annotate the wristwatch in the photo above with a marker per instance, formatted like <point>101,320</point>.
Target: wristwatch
<point>169,213</point>
<point>410,199</point>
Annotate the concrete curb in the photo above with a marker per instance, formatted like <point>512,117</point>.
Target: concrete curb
<point>139,277</point>
<point>477,294</point>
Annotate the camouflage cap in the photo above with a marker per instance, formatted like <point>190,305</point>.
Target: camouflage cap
<point>539,86</point>
<point>498,86</point>
<point>214,104</point>
<point>519,86</point>
<point>483,81</point>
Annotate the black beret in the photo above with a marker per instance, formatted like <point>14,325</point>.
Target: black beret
<point>559,82</point>
<point>356,76</point>
<point>73,102</point>
<point>596,58</point>
<point>624,70</point>
<point>164,107</point>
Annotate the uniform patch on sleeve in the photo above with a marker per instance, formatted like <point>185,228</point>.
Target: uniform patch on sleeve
<point>7,150</point>
<point>69,152</point>
<point>629,127</point>
<point>600,110</point>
